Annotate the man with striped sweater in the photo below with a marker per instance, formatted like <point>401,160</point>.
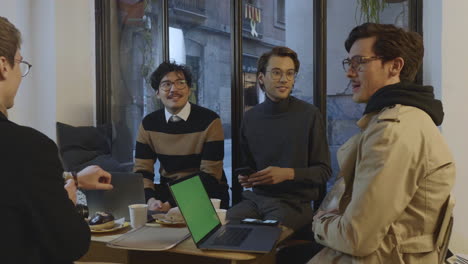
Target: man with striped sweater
<point>186,139</point>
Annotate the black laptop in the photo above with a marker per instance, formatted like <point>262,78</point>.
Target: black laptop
<point>128,189</point>
<point>205,226</point>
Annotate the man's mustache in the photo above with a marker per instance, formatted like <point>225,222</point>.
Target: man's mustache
<point>174,94</point>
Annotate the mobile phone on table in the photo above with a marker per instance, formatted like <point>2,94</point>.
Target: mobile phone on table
<point>259,222</point>
<point>245,171</point>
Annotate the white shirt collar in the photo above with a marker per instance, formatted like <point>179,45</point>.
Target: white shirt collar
<point>183,114</point>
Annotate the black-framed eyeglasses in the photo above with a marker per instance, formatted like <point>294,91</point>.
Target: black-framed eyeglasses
<point>276,74</point>
<point>356,62</point>
<point>178,84</point>
<point>25,67</point>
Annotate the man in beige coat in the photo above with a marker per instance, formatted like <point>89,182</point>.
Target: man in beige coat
<point>398,170</point>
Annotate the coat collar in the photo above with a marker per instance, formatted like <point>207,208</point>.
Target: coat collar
<point>364,121</point>
<point>389,113</point>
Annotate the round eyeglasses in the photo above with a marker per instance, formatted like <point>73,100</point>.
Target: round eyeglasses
<point>178,85</point>
<point>277,74</point>
<point>356,62</point>
<point>25,67</point>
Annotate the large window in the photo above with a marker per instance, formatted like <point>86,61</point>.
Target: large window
<point>221,41</point>
<point>135,36</point>
<point>132,51</point>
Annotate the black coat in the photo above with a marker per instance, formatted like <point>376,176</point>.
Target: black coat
<point>39,223</point>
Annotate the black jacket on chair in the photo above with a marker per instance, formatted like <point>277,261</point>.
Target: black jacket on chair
<point>39,223</point>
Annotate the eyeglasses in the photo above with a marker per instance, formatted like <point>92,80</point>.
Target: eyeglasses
<point>25,67</point>
<point>276,74</point>
<point>178,84</point>
<point>356,62</point>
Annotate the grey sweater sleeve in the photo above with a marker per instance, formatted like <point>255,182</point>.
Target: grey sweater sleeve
<point>319,169</point>
<point>247,159</point>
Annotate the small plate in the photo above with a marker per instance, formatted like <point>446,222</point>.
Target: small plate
<point>119,224</point>
<point>161,219</point>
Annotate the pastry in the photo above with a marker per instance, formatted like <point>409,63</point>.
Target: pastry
<point>102,220</point>
<point>174,215</point>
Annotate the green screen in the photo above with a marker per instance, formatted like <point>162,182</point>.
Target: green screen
<point>196,207</point>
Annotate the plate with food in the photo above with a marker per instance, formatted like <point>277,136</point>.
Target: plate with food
<point>103,222</point>
<point>172,218</point>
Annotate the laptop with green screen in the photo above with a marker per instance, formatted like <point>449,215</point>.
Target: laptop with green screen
<point>205,226</point>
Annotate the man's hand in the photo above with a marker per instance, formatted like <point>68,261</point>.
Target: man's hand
<point>157,205</point>
<point>271,175</point>
<point>94,178</point>
<point>244,181</point>
<point>70,187</point>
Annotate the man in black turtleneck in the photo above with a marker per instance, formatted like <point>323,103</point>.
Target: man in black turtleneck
<point>398,170</point>
<point>284,140</point>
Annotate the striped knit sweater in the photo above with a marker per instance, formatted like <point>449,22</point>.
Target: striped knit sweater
<point>182,148</point>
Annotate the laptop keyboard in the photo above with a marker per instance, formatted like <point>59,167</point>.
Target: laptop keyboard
<point>231,236</point>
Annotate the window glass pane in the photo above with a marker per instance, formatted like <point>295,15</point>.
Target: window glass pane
<point>286,23</point>
<point>199,36</point>
<point>342,112</point>
<point>280,12</point>
<point>136,51</point>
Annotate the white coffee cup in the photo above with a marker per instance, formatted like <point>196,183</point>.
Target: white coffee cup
<point>221,215</point>
<point>138,215</point>
<point>216,203</point>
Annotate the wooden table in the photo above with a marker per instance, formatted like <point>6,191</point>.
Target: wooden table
<point>185,252</point>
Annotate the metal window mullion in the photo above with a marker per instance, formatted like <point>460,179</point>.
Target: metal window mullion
<point>103,72</point>
<point>415,24</point>
<point>320,56</point>
<point>237,96</point>
<point>165,29</point>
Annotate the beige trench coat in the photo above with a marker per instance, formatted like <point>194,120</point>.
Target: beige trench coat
<point>398,173</point>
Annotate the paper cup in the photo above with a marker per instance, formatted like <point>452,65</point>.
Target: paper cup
<point>216,203</point>
<point>221,215</point>
<point>138,214</point>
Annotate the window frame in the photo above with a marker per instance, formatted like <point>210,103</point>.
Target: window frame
<point>278,22</point>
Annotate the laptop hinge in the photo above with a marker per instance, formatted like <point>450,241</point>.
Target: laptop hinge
<point>209,234</point>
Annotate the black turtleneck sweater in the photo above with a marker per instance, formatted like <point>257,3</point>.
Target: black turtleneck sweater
<point>287,134</point>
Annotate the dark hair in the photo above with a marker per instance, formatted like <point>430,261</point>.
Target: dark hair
<point>392,42</point>
<point>10,40</point>
<point>167,67</point>
<point>262,62</point>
